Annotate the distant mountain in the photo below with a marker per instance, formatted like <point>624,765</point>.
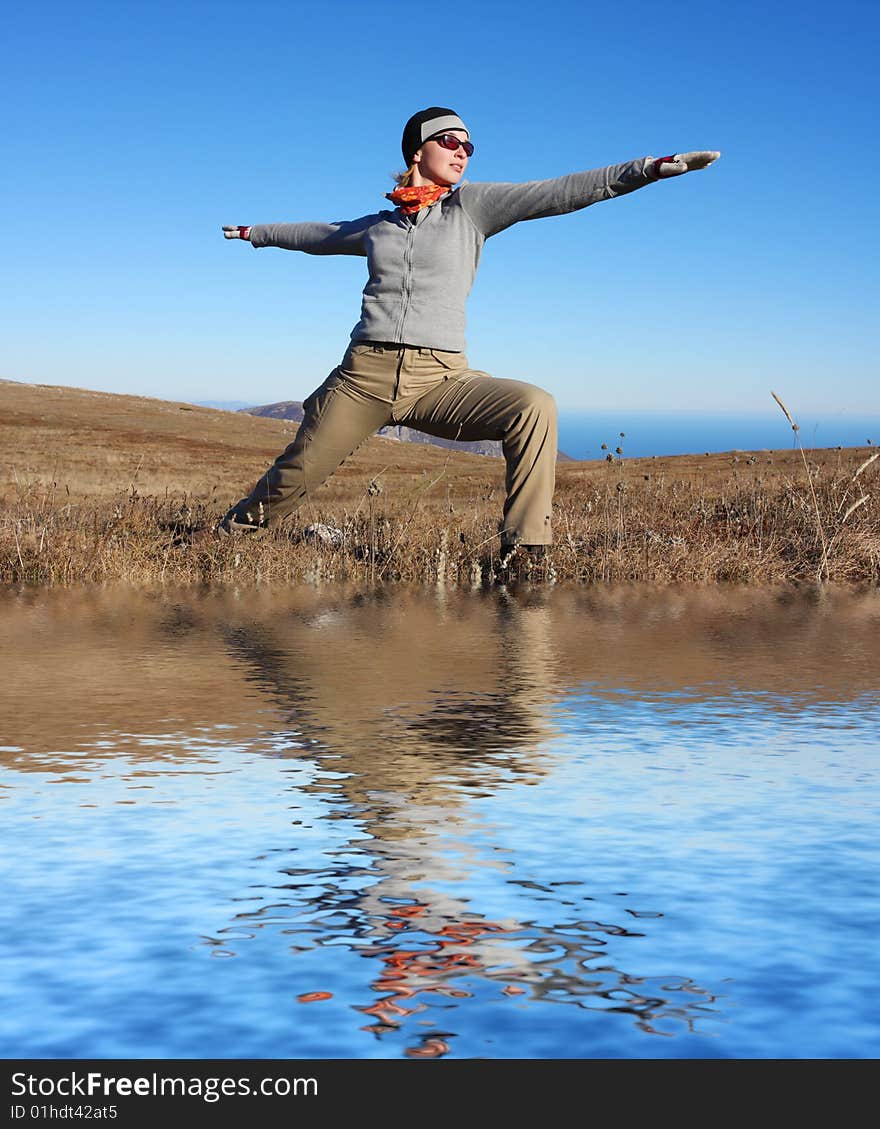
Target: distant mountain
<point>224,405</point>
<point>284,409</point>
<point>475,446</point>
<point>293,410</point>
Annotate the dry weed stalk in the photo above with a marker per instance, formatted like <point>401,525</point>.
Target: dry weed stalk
<point>823,569</point>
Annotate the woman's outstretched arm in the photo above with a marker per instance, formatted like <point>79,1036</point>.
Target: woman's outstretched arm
<point>494,207</point>
<point>314,238</point>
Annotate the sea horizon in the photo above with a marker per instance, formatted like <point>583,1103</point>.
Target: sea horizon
<point>641,433</point>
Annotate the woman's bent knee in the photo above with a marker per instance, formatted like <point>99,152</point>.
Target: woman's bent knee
<point>542,403</point>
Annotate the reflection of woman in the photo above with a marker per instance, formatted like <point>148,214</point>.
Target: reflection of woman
<point>406,362</point>
<point>401,754</point>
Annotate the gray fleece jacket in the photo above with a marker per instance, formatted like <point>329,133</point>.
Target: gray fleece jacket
<point>422,267</point>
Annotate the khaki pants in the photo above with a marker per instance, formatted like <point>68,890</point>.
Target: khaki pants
<point>432,391</point>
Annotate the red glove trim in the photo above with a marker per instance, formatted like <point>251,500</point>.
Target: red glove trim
<point>244,233</point>
<point>655,167</point>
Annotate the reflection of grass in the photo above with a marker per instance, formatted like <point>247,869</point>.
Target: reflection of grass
<point>726,518</point>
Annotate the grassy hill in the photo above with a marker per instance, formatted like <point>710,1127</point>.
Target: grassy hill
<point>99,486</point>
<point>95,444</point>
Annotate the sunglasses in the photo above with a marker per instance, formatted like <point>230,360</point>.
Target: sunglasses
<point>450,141</point>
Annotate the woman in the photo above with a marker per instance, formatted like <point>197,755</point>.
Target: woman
<point>406,362</point>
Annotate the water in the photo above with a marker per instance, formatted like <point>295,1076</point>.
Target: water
<point>548,824</point>
<point>647,433</point>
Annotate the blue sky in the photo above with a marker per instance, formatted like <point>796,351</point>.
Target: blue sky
<point>133,131</point>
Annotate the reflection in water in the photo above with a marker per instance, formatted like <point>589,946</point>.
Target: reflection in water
<point>439,819</point>
<point>402,776</point>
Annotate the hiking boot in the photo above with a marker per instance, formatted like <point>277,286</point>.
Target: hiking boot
<point>242,521</point>
<point>525,554</point>
<point>526,562</point>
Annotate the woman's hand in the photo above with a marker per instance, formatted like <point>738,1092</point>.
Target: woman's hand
<point>681,162</point>
<point>236,232</point>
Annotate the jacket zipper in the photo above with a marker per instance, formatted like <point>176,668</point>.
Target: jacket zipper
<point>407,280</point>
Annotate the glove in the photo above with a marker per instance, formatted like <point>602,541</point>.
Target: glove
<point>660,167</point>
<point>236,232</point>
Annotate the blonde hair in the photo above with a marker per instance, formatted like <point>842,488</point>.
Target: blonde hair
<point>403,179</point>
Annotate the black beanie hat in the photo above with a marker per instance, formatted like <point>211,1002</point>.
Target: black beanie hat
<point>425,124</point>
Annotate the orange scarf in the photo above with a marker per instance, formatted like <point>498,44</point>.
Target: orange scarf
<point>411,200</point>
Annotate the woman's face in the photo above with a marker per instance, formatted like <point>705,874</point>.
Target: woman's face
<point>442,166</point>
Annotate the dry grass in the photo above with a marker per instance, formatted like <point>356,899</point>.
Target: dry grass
<point>103,510</point>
